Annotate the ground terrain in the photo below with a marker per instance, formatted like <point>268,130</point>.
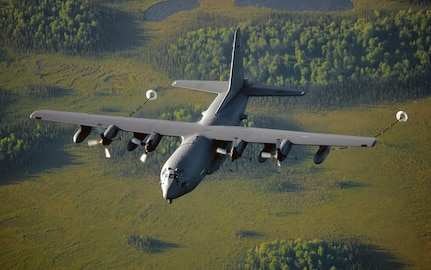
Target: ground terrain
<point>75,209</point>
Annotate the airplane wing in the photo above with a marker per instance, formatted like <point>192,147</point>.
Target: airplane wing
<point>220,133</point>
<point>266,135</point>
<point>216,87</point>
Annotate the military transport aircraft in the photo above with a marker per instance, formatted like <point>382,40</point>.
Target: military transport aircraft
<point>208,142</point>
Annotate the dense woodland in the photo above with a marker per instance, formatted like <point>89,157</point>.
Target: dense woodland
<point>22,141</point>
<point>314,254</point>
<point>342,60</point>
<point>71,27</point>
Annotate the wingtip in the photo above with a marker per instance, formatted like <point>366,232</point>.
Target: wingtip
<point>33,115</point>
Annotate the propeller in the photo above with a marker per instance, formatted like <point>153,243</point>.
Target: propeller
<point>141,142</point>
<point>282,149</point>
<point>238,147</point>
<point>106,138</point>
<point>149,143</point>
<point>276,156</point>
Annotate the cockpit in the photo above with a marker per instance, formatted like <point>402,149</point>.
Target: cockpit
<point>173,182</point>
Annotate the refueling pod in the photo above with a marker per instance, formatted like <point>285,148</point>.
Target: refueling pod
<point>321,154</point>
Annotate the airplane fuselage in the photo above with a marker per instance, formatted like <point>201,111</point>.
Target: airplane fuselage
<point>207,143</point>
<point>197,156</point>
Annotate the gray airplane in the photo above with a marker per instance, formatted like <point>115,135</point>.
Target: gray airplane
<point>208,142</point>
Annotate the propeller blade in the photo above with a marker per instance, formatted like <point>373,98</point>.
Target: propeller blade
<point>143,158</point>
<point>94,142</point>
<point>278,168</point>
<point>107,154</point>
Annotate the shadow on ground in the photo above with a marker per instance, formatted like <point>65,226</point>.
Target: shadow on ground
<point>54,156</point>
<point>148,244</point>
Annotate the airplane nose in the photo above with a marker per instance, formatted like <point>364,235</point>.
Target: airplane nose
<point>168,194</point>
<point>173,183</point>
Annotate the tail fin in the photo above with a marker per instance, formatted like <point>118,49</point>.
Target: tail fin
<point>236,79</point>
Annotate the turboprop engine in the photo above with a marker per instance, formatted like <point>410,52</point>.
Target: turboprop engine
<point>82,134</point>
<point>282,149</point>
<point>152,142</point>
<point>106,138</point>
<point>238,147</point>
<point>149,142</point>
<point>138,139</point>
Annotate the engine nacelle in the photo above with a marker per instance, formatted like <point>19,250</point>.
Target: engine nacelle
<point>109,134</point>
<point>136,141</point>
<point>152,141</point>
<point>238,149</point>
<point>284,150</point>
<point>321,154</point>
<point>82,134</point>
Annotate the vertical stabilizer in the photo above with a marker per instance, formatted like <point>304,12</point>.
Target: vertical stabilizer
<point>236,79</point>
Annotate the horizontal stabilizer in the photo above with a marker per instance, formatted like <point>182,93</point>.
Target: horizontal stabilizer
<point>216,87</point>
<point>265,90</point>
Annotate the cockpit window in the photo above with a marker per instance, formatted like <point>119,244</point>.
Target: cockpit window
<point>166,174</point>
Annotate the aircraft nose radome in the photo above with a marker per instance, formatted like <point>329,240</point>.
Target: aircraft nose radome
<point>165,190</point>
<point>168,196</point>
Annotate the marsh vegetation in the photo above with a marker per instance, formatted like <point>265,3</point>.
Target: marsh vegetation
<point>65,206</point>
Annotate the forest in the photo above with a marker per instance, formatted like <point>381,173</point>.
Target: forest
<point>313,254</point>
<point>21,140</point>
<point>70,27</point>
<point>75,209</point>
<point>341,60</point>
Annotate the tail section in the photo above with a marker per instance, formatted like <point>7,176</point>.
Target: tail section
<point>227,90</point>
<point>236,80</point>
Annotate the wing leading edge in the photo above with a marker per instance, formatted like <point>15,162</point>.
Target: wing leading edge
<point>219,133</point>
